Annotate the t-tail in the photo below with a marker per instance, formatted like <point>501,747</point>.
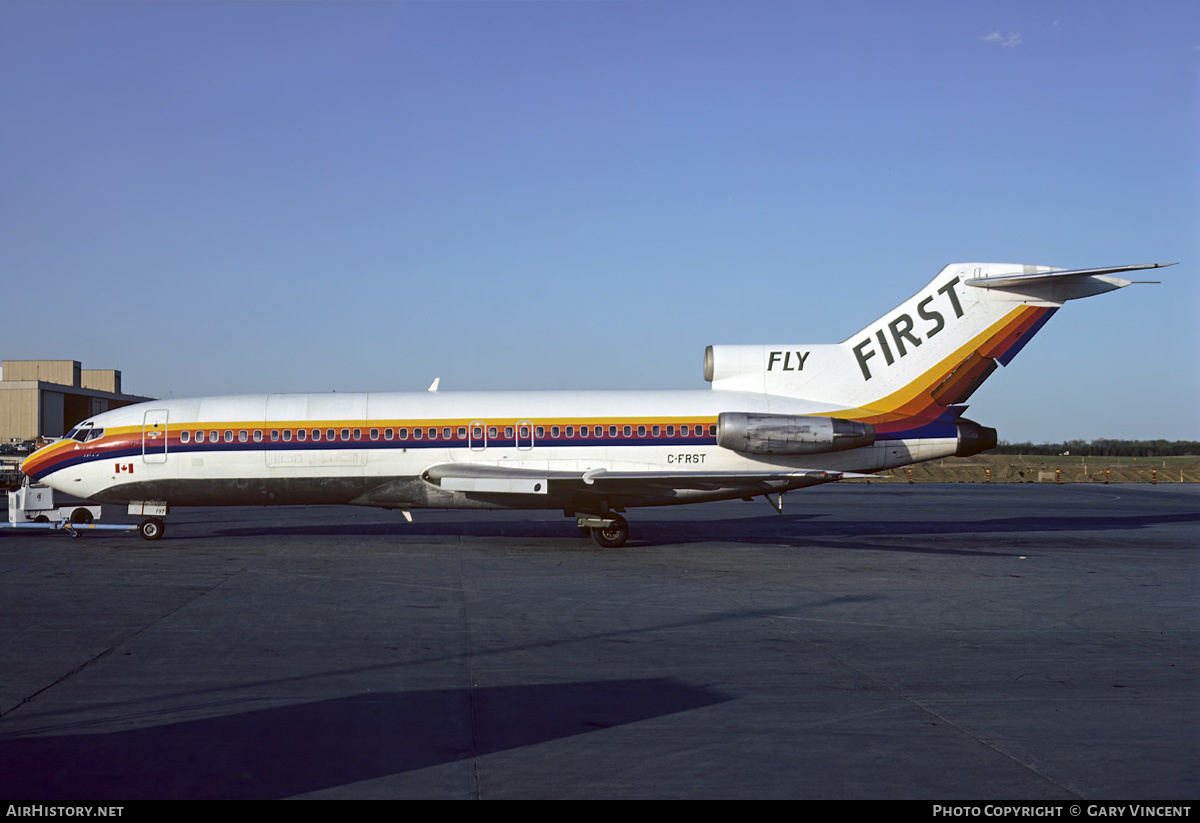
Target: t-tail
<point>910,371</point>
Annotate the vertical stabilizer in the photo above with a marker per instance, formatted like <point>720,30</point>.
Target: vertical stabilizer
<point>930,352</point>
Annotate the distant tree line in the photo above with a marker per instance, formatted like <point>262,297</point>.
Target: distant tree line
<point>1105,448</point>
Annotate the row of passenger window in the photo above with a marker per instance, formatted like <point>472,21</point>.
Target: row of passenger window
<point>286,435</point>
<point>522,433</point>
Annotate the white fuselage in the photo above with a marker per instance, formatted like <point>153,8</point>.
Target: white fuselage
<point>374,449</point>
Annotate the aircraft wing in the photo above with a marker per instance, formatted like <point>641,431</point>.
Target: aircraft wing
<point>478,477</point>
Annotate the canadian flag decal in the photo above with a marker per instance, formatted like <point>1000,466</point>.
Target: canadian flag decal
<point>124,467</point>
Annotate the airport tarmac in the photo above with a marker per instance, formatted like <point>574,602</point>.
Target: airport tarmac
<point>874,641</point>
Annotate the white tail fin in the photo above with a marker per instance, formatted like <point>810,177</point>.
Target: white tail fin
<point>930,352</point>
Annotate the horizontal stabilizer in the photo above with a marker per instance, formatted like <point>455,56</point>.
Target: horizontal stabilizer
<point>1023,279</point>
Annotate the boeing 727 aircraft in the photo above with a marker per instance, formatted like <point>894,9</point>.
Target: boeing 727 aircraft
<point>776,418</point>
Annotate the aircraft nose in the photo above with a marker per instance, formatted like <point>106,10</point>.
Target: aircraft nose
<point>30,463</point>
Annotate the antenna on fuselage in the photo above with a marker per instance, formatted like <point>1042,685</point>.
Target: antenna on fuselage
<point>433,385</point>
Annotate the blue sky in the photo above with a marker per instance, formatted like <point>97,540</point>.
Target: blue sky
<point>233,197</point>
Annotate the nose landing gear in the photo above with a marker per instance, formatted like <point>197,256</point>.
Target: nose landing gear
<point>152,528</point>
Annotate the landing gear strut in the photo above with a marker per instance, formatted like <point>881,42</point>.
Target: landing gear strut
<point>609,531</point>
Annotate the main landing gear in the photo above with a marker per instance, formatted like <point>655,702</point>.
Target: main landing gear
<point>609,531</point>
<point>152,528</point>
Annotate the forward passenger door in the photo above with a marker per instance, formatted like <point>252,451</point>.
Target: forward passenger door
<point>154,436</point>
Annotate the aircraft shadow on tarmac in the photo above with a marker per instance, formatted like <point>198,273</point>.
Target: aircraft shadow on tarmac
<point>776,530</point>
<point>290,750</point>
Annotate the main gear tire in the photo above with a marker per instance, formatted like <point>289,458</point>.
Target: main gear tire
<point>612,536</point>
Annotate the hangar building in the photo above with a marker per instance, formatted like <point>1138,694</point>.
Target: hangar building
<point>47,397</point>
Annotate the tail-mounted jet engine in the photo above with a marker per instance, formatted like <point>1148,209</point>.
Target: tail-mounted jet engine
<point>973,438</point>
<point>790,433</point>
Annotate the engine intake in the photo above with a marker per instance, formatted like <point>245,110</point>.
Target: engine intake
<point>787,434</point>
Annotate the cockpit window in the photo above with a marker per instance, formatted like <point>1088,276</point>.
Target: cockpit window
<point>83,433</point>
